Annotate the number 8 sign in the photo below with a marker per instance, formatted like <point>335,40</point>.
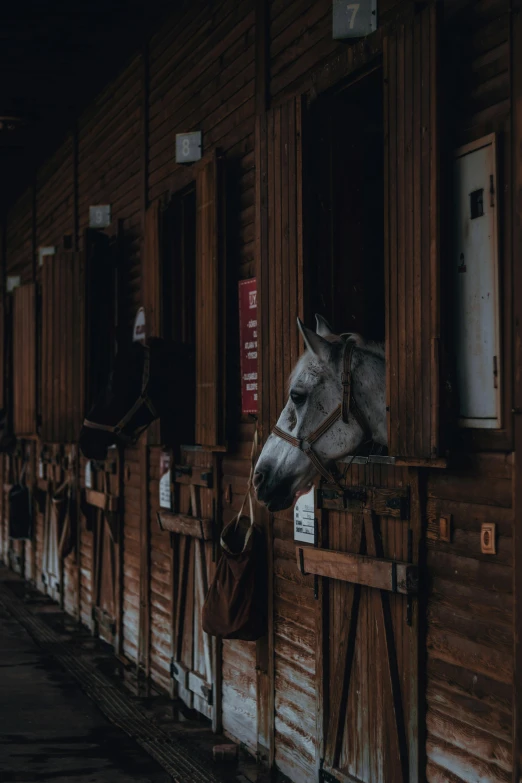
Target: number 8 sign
<point>188,147</point>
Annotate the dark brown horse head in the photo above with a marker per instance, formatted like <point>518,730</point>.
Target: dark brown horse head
<point>148,381</point>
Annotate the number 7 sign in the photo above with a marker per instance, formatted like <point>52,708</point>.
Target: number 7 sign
<point>354,20</point>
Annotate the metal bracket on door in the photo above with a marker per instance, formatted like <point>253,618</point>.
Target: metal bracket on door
<point>208,693</point>
<point>327,777</point>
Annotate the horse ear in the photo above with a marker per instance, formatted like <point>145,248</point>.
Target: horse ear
<point>313,341</point>
<point>323,328</point>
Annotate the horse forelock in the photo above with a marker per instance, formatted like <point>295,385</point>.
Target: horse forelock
<point>309,369</point>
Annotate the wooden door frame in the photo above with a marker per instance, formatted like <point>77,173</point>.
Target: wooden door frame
<point>343,71</point>
<point>355,62</point>
<point>516,136</point>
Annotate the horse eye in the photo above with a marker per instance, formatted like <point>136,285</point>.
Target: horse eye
<point>297,398</point>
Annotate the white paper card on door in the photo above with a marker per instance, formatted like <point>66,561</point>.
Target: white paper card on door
<point>164,484</point>
<point>304,518</point>
<point>88,474</point>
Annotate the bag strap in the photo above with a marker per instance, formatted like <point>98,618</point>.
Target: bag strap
<point>249,483</point>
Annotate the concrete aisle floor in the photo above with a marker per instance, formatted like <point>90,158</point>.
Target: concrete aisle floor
<point>50,731</point>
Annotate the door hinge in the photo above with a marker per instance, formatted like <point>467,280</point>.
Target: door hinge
<point>495,373</point>
<point>174,671</point>
<point>491,190</point>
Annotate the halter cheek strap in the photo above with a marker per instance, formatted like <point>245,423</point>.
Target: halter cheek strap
<point>142,400</point>
<point>347,406</point>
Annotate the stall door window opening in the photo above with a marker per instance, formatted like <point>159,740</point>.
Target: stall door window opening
<point>179,267</point>
<point>178,307</point>
<point>476,285</point>
<point>346,197</point>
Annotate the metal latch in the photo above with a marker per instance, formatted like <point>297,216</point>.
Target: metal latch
<point>327,777</point>
<point>182,470</point>
<point>399,503</point>
<point>208,478</point>
<point>208,693</point>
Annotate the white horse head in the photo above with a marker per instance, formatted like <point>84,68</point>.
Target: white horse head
<point>283,471</point>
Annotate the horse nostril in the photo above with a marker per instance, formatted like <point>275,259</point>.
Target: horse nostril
<point>258,480</point>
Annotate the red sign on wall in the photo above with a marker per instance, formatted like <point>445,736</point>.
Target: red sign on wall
<point>248,344</point>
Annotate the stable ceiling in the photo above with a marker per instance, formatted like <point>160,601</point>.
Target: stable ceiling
<point>54,57</point>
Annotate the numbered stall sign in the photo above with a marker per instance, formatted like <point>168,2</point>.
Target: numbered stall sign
<point>100,216</point>
<point>164,484</point>
<point>248,344</point>
<point>304,518</point>
<point>354,20</point>
<point>188,147</point>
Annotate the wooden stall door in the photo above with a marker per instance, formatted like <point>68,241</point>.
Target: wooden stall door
<point>195,667</point>
<point>369,663</point>
<point>104,502</point>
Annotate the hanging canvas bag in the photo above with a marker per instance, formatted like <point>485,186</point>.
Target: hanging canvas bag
<point>236,606</point>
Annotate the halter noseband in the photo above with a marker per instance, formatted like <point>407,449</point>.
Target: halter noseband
<point>343,410</point>
<point>142,400</point>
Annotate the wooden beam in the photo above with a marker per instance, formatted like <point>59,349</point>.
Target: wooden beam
<point>101,500</point>
<point>389,575</point>
<point>185,525</point>
<point>516,197</point>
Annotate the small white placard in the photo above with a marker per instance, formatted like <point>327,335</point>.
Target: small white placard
<point>188,147</point>
<point>88,474</point>
<point>304,518</point>
<point>139,333</point>
<point>164,484</point>
<point>100,216</point>
<point>40,468</point>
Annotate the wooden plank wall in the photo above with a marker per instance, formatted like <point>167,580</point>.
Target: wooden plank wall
<point>55,197</point>
<point>201,69</point>
<point>470,633</point>
<point>109,172</point>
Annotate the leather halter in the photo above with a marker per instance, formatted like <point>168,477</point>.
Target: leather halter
<point>343,410</point>
<point>142,400</point>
